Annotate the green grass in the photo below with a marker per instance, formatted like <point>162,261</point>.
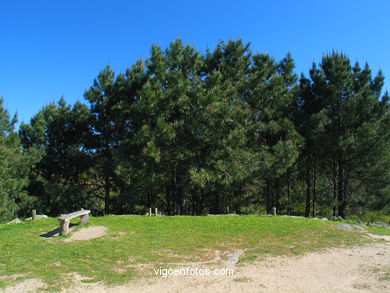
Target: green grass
<point>242,280</point>
<point>138,241</point>
<point>378,230</point>
<point>372,229</point>
<point>384,275</point>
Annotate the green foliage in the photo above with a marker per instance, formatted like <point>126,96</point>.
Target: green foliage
<point>345,122</point>
<point>62,178</point>
<point>225,131</point>
<point>15,167</point>
<point>375,216</point>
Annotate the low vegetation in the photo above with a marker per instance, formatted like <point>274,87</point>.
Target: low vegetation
<point>134,245</point>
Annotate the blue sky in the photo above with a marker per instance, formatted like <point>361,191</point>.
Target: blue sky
<point>50,49</point>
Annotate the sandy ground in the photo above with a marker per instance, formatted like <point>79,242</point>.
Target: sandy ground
<point>30,285</point>
<point>357,269</point>
<point>337,270</point>
<point>384,237</point>
<point>87,233</point>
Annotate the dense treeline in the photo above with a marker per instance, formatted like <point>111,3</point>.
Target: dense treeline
<point>190,133</point>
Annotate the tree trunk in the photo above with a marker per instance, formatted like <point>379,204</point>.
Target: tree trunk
<point>288,194</point>
<point>334,188</point>
<point>107,189</point>
<point>107,172</point>
<point>314,214</point>
<point>268,197</point>
<point>308,190</point>
<point>341,191</point>
<point>276,196</point>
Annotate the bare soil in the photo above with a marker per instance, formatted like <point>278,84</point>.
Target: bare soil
<point>87,234</point>
<point>356,269</point>
<point>359,269</point>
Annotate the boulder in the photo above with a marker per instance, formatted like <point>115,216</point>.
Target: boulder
<point>345,227</point>
<point>16,220</point>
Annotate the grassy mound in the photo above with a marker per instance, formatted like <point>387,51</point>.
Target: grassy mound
<point>135,242</point>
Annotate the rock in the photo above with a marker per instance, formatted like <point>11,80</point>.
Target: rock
<point>380,224</point>
<point>336,218</point>
<point>384,237</point>
<point>16,220</point>
<point>234,257</point>
<point>350,227</point>
<point>344,226</point>
<point>222,214</point>
<point>358,227</point>
<point>290,216</point>
<point>37,217</point>
<point>316,218</point>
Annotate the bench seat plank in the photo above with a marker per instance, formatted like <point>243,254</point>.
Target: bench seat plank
<point>73,215</point>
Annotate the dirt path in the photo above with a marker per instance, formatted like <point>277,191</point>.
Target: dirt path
<point>337,270</point>
<point>359,269</point>
<point>87,234</point>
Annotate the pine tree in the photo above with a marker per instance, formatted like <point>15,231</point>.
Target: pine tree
<point>58,135</point>
<point>15,166</point>
<point>354,121</point>
<point>270,95</point>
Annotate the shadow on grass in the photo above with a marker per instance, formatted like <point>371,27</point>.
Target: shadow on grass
<point>55,232</point>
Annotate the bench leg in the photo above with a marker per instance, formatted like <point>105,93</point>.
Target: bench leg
<point>64,227</point>
<point>85,219</point>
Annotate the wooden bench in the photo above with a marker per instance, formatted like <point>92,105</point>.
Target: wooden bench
<point>65,220</point>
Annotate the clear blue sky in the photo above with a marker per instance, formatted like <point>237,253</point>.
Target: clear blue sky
<point>50,49</point>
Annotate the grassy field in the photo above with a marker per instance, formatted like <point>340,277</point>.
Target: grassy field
<point>134,241</point>
<point>378,230</point>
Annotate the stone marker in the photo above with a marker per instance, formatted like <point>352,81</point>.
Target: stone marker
<point>16,220</point>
